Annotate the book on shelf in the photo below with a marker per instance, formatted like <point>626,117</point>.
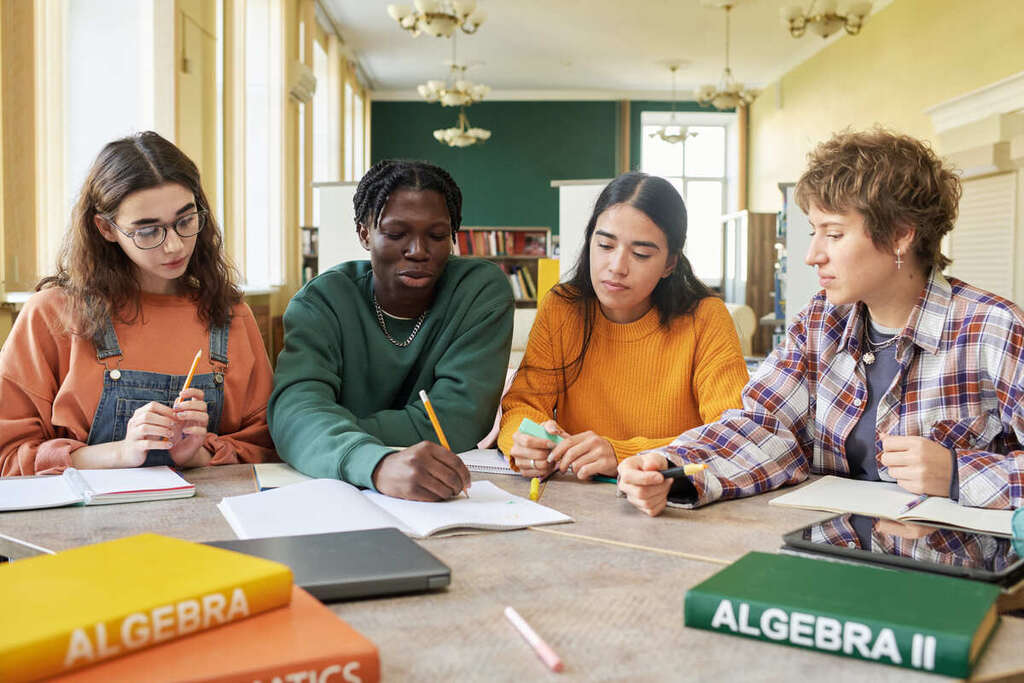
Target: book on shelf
<point>322,506</point>
<point>498,242</point>
<point>927,622</point>
<point>92,487</point>
<point>888,500</point>
<point>304,641</point>
<point>80,606</point>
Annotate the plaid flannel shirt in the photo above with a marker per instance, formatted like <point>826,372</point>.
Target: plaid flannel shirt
<point>960,383</point>
<point>941,546</point>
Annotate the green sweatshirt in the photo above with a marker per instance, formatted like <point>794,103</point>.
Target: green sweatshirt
<point>343,392</point>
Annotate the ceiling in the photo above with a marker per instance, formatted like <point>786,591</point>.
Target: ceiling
<point>558,49</point>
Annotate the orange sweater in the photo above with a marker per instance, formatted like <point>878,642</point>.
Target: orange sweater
<point>641,384</point>
<point>50,381</point>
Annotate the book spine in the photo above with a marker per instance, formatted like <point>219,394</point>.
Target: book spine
<point>824,631</point>
<point>362,667</point>
<point>68,650</point>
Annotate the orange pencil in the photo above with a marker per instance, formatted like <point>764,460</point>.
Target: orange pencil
<point>437,424</point>
<point>192,370</point>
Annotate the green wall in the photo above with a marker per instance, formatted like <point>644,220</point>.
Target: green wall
<point>506,180</point>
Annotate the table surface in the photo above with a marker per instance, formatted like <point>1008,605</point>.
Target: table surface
<point>606,592</point>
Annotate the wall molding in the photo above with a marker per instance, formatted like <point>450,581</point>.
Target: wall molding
<point>1001,97</point>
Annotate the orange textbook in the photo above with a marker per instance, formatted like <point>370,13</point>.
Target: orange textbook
<point>302,642</point>
<point>65,611</point>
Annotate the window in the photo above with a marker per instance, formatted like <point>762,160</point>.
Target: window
<point>703,170</point>
<point>350,114</point>
<point>321,125</point>
<point>358,119</point>
<point>263,129</point>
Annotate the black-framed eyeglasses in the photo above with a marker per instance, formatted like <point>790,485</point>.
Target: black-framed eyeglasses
<point>152,236</point>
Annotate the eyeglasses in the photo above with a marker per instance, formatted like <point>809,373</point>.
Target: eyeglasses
<point>152,236</point>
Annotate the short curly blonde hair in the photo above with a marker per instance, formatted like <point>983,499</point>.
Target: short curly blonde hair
<point>893,180</point>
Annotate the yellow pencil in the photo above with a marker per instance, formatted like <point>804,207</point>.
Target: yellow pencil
<point>437,424</point>
<point>192,370</point>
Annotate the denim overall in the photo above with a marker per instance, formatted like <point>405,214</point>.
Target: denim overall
<point>125,391</point>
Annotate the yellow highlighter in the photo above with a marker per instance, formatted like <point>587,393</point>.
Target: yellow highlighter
<point>686,470</point>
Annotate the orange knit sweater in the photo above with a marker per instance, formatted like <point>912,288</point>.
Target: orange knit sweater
<point>641,384</point>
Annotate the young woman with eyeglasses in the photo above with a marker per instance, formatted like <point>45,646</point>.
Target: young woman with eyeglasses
<point>91,375</point>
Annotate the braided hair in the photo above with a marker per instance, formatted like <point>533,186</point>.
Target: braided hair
<point>388,175</point>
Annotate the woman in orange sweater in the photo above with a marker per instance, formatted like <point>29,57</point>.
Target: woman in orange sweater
<point>92,373</point>
<point>628,352</point>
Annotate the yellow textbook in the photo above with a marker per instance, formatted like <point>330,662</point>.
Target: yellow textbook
<point>66,611</point>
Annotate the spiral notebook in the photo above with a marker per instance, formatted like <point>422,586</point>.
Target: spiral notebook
<point>486,461</point>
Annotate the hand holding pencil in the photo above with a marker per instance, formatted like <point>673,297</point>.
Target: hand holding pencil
<point>424,471</point>
<point>192,416</point>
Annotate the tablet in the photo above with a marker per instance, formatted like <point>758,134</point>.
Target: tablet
<point>858,538</point>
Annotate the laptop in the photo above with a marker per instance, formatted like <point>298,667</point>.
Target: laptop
<point>351,564</point>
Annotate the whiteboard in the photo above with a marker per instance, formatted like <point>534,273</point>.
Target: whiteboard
<point>576,199</point>
<point>338,241</point>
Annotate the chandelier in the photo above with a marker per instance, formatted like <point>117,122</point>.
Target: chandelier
<point>672,132</point>
<point>728,93</point>
<point>463,135</point>
<point>825,20</point>
<point>457,91</point>
<point>438,17</point>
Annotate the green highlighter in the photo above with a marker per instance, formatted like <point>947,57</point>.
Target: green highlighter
<point>528,426</point>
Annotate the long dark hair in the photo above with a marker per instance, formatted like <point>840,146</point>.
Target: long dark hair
<point>98,277</point>
<point>678,294</point>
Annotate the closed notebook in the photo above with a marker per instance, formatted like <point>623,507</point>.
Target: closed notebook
<point>272,475</point>
<point>886,499</point>
<point>927,622</point>
<point>304,641</point>
<point>486,461</point>
<point>322,506</point>
<point>92,487</point>
<point>80,606</point>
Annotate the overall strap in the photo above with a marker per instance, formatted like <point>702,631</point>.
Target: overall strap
<point>219,342</point>
<point>106,342</point>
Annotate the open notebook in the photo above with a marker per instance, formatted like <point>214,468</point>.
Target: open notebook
<point>271,475</point>
<point>92,487</point>
<point>886,499</point>
<point>320,506</point>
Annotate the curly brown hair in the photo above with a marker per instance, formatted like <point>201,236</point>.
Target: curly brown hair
<point>98,277</point>
<point>895,181</point>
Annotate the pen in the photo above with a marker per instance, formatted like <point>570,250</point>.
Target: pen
<point>676,472</point>
<point>437,424</point>
<point>913,504</point>
<point>542,649</point>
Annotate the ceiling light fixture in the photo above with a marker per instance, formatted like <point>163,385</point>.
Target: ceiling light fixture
<point>826,19</point>
<point>729,93</point>
<point>463,135</point>
<point>672,131</point>
<point>456,91</point>
<point>438,18</point>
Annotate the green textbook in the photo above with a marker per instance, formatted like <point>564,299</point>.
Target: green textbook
<point>926,622</point>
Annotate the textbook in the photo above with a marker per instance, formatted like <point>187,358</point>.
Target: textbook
<point>886,499</point>
<point>927,622</point>
<point>321,506</point>
<point>92,487</point>
<point>81,606</point>
<point>304,641</point>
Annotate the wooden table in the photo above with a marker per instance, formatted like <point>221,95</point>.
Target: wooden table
<point>613,611</point>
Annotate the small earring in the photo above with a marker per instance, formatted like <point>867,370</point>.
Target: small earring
<point>899,260</point>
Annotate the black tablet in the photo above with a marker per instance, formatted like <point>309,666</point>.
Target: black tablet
<point>967,554</point>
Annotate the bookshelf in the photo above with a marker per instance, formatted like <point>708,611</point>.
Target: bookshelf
<point>310,253</point>
<point>516,250</point>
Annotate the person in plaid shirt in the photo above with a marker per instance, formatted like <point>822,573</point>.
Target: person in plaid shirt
<point>893,372</point>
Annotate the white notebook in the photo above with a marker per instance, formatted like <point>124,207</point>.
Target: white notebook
<point>886,499</point>
<point>321,506</point>
<point>92,487</point>
<point>487,461</point>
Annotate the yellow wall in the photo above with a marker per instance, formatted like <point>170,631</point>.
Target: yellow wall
<point>910,56</point>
